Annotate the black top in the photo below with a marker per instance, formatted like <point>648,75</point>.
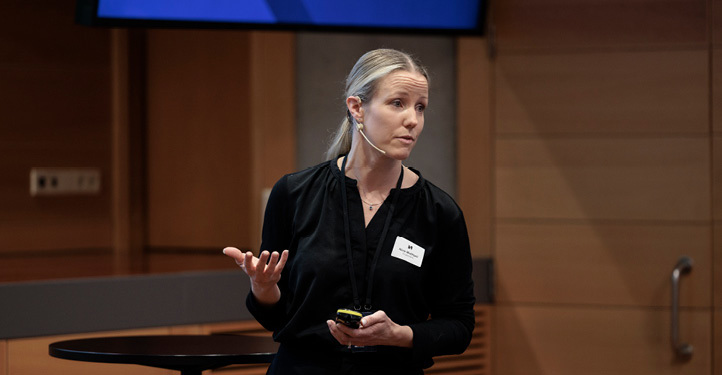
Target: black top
<point>175,352</point>
<point>304,214</point>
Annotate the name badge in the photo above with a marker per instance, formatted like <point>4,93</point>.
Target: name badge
<point>408,251</point>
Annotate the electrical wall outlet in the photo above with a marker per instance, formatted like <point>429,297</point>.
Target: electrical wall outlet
<point>64,181</point>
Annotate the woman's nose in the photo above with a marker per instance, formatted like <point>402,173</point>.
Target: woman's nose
<point>411,119</point>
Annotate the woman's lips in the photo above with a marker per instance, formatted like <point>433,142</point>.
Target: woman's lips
<point>406,139</point>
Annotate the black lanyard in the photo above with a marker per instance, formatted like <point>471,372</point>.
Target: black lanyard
<point>347,231</point>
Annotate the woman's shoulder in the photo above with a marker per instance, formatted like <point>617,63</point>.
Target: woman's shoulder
<point>307,177</point>
<point>435,196</point>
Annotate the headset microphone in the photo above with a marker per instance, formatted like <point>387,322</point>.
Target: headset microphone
<point>360,128</point>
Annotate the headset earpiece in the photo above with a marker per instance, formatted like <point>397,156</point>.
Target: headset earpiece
<point>360,127</point>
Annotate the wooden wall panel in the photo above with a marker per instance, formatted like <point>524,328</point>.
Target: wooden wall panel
<point>603,178</point>
<point>272,119</point>
<point>717,176</point>
<point>220,130</point>
<point>198,138</point>
<point>716,127</point>
<point>717,85</point>
<point>654,92</point>
<point>716,53</point>
<point>717,352</point>
<point>580,340</point>
<point>68,109</point>
<point>128,148</point>
<point>3,357</point>
<point>177,260</point>
<point>600,263</point>
<point>717,225</point>
<point>55,264</point>
<point>43,32</point>
<point>717,170</point>
<point>473,139</point>
<point>193,329</point>
<point>30,357</point>
<point>598,24</point>
<point>56,113</point>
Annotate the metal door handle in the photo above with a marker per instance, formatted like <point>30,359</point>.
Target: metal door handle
<point>683,267</point>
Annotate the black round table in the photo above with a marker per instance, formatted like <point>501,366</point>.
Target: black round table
<point>189,354</point>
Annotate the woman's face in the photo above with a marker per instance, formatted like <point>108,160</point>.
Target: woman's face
<point>394,117</point>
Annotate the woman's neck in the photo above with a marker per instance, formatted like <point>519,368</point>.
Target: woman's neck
<point>375,173</point>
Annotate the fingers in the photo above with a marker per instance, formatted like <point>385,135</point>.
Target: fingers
<point>347,336</point>
<point>233,253</point>
<point>268,263</point>
<point>243,260</point>
<point>276,263</point>
<point>248,261</point>
<point>282,262</point>
<point>262,259</point>
<point>266,268</point>
<point>375,318</point>
<point>337,332</point>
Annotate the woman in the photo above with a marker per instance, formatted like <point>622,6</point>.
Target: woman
<point>365,233</point>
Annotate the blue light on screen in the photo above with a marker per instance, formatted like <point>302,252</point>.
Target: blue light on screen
<point>459,14</point>
<point>424,14</point>
<point>251,11</point>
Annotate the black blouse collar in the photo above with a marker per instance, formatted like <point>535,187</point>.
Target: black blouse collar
<point>350,181</point>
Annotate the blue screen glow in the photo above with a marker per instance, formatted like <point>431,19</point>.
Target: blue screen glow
<point>412,14</point>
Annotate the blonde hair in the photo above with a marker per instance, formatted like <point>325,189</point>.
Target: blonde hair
<point>363,81</point>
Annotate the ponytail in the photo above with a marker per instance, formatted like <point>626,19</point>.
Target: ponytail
<point>341,141</point>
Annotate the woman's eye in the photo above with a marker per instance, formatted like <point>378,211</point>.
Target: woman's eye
<point>420,107</point>
<point>396,103</point>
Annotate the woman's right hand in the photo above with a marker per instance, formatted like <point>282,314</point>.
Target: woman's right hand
<point>264,272</point>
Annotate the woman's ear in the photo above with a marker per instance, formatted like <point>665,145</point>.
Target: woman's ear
<point>355,107</point>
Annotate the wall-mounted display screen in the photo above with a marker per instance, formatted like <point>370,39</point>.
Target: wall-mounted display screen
<point>464,16</point>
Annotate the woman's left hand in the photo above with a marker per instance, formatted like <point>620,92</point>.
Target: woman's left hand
<point>375,329</point>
